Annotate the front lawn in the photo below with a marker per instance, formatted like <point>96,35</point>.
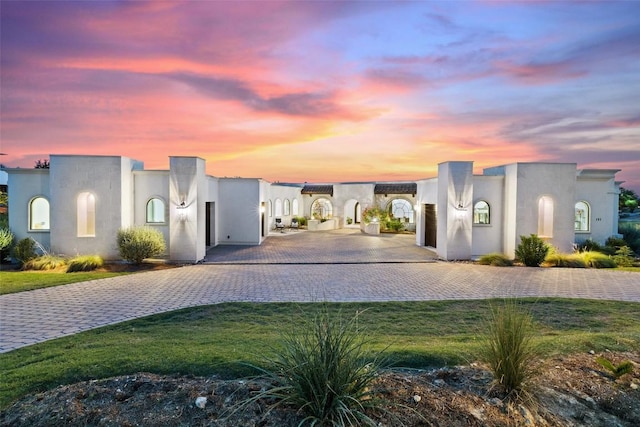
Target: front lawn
<point>222,339</point>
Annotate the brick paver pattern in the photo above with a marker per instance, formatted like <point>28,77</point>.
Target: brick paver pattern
<point>298,266</point>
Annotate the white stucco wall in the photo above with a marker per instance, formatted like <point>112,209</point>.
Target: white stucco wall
<point>187,183</point>
<point>488,238</point>
<point>147,185</point>
<point>345,198</point>
<point>525,185</point>
<point>598,188</point>
<point>455,210</point>
<point>101,176</point>
<point>239,211</point>
<point>24,185</point>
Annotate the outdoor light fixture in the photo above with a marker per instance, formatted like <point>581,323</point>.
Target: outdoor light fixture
<point>262,209</point>
<point>182,211</point>
<point>461,212</point>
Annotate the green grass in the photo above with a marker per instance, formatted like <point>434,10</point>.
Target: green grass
<point>19,281</point>
<point>222,339</point>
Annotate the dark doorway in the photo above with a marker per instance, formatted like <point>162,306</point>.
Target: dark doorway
<point>430,225</point>
<point>210,225</point>
<point>262,218</point>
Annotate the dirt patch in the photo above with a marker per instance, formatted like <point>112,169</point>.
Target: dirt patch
<point>570,391</point>
<point>123,267</point>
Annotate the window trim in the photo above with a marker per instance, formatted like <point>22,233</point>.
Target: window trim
<point>164,211</point>
<point>475,207</point>
<point>30,215</point>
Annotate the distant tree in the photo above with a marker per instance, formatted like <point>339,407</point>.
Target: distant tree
<point>42,164</point>
<point>628,200</point>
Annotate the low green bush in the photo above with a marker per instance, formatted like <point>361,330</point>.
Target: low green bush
<point>24,250</point>
<point>6,238</point>
<point>84,263</point>
<point>394,224</point>
<point>532,250</point>
<point>631,235</point>
<point>302,221</point>
<point>509,349</point>
<point>137,243</point>
<point>624,257</point>
<point>324,369</point>
<point>495,259</point>
<point>44,262</point>
<point>557,259</point>
<point>598,260</point>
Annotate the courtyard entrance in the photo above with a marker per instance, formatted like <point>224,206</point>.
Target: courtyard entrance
<point>344,246</point>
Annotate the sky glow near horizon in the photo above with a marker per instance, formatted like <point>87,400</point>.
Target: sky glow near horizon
<point>323,91</point>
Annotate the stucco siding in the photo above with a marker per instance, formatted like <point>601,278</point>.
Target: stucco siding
<point>24,186</point>
<point>148,185</point>
<point>488,238</point>
<point>240,213</point>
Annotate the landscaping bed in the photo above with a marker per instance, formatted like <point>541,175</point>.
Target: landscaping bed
<point>571,390</point>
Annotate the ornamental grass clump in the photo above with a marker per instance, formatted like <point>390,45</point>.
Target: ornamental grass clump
<point>24,251</point>
<point>84,263</point>
<point>495,259</point>
<point>137,243</point>
<point>598,260</point>
<point>44,262</point>
<point>324,369</point>
<point>532,250</point>
<point>509,349</point>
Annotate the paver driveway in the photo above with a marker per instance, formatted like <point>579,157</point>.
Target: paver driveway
<point>373,269</point>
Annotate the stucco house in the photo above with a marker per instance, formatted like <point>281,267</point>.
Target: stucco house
<point>79,203</point>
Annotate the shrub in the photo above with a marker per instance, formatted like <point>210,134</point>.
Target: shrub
<point>590,245</point>
<point>6,239</point>
<point>373,214</point>
<point>137,243</point>
<point>509,350</point>
<point>44,262</point>
<point>615,242</point>
<point>84,263</point>
<point>565,260</point>
<point>24,250</point>
<point>532,250</point>
<point>624,257</point>
<point>631,235</point>
<point>324,370</point>
<point>394,224</point>
<point>302,221</point>
<point>598,260</point>
<point>495,259</point>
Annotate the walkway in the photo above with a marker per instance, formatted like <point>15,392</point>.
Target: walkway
<point>30,317</point>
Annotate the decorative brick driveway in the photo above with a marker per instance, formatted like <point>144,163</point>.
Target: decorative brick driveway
<point>373,269</point>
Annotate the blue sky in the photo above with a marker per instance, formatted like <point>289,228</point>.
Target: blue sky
<point>324,91</point>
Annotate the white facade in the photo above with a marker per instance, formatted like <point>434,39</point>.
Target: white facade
<point>78,205</point>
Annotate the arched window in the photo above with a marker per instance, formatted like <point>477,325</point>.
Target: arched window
<point>321,209</point>
<point>278,208</point>
<point>545,217</point>
<point>582,216</point>
<point>86,215</point>
<point>295,210</point>
<point>401,209</point>
<point>287,207</point>
<point>39,214</point>
<point>481,213</point>
<point>270,209</point>
<point>155,211</point>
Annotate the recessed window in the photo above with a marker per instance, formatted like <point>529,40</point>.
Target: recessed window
<point>295,209</point>
<point>278,208</point>
<point>401,209</point>
<point>481,213</point>
<point>39,214</point>
<point>155,211</point>
<point>321,209</point>
<point>287,207</point>
<point>86,215</point>
<point>545,217</point>
<point>582,216</point>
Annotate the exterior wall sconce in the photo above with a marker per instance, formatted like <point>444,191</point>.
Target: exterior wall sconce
<point>461,211</point>
<point>262,209</point>
<point>182,211</point>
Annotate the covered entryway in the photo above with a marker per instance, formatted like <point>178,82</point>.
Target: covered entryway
<point>429,225</point>
<point>345,246</point>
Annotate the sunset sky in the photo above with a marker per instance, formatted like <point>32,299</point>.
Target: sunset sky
<point>323,90</point>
